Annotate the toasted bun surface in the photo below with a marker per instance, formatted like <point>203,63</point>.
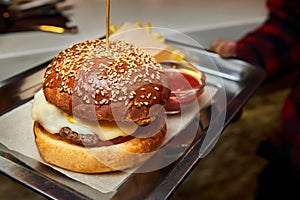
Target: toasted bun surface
<point>116,85</point>
<point>95,160</point>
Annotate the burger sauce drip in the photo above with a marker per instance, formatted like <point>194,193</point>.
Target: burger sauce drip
<point>180,81</point>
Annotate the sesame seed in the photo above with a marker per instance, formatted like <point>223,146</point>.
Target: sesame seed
<point>148,95</point>
<point>91,80</point>
<point>138,104</point>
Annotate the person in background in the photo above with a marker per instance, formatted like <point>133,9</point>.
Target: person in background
<point>275,46</point>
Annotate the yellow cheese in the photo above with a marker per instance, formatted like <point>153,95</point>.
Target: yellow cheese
<point>53,119</point>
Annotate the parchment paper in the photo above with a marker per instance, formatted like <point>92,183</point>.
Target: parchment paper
<point>17,134</point>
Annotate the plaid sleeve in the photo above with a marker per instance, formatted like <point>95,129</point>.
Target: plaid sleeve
<point>275,45</point>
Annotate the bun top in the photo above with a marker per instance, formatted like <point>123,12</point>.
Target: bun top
<point>120,84</point>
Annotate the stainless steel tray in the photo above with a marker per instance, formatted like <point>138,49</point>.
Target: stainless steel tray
<point>236,81</point>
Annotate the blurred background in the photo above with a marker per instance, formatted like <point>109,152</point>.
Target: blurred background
<point>230,170</point>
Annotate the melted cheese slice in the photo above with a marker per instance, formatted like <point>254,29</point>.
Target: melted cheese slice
<point>53,119</point>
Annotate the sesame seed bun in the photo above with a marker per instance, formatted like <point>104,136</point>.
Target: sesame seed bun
<point>89,83</point>
<point>77,158</point>
<point>121,84</point>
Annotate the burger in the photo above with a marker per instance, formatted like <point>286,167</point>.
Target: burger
<point>101,108</point>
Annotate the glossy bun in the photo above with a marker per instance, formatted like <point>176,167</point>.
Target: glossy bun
<point>122,84</point>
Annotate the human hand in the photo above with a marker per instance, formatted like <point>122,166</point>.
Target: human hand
<point>224,48</point>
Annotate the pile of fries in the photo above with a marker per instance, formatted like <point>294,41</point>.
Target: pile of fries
<point>170,53</point>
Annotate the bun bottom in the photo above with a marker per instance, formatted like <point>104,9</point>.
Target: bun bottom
<point>77,158</point>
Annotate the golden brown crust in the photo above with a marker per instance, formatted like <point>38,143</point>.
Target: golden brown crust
<point>119,85</point>
<point>95,160</point>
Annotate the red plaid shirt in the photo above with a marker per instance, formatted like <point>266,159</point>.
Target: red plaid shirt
<point>275,46</point>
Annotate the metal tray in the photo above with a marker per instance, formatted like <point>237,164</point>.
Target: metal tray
<point>236,82</point>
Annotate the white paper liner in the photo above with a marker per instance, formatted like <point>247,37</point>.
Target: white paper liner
<point>17,134</point>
